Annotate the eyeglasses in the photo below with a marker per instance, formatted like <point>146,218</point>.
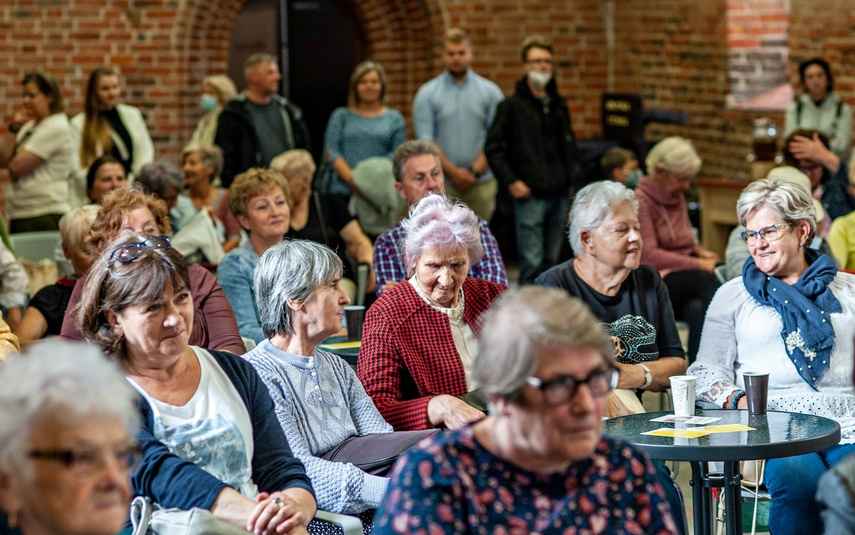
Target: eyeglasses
<point>83,463</point>
<point>770,233</point>
<point>131,251</point>
<point>562,389</point>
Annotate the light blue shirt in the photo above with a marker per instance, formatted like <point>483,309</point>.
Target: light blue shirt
<point>235,274</point>
<point>457,116</point>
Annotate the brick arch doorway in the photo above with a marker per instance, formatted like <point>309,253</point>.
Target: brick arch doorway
<point>399,34</point>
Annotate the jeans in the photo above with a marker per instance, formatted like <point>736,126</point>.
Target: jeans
<point>792,484</point>
<point>539,226</point>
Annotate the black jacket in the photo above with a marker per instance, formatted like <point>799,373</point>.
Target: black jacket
<point>516,142</point>
<point>237,138</point>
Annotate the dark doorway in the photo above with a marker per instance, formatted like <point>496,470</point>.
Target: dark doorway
<point>318,43</point>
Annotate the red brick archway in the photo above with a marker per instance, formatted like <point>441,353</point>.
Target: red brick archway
<point>400,34</point>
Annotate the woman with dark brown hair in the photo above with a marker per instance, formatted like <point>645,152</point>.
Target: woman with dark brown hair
<point>214,325</point>
<point>209,436</point>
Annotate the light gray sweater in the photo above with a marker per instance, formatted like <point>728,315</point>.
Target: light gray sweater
<point>319,403</point>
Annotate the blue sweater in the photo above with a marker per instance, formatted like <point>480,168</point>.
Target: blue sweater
<point>172,482</point>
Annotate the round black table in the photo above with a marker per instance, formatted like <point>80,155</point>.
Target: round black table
<point>777,434</point>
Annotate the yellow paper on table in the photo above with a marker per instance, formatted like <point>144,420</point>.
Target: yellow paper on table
<point>729,428</point>
<point>343,345</point>
<point>678,433</point>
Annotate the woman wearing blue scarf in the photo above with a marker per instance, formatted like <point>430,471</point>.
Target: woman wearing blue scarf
<point>791,314</point>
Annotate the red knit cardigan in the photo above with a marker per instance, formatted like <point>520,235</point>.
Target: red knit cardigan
<point>408,354</point>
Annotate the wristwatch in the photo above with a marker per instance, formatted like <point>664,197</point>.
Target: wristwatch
<point>648,377</point>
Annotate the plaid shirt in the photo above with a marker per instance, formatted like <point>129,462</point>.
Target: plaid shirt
<point>389,257</point>
<point>408,354</point>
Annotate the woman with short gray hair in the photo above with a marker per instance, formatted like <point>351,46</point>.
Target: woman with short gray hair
<point>320,404</point>
<point>68,422</point>
<point>546,366</point>
<point>629,299</point>
<point>792,313</point>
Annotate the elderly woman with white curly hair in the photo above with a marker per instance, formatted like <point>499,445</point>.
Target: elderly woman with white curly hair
<point>68,419</point>
<point>670,245</point>
<point>792,313</point>
<point>420,338</point>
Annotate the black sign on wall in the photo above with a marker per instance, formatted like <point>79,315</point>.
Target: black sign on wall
<point>623,119</point>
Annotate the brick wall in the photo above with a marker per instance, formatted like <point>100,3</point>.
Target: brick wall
<point>757,41</point>
<point>674,52</point>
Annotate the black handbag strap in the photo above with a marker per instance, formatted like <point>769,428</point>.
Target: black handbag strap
<point>321,218</point>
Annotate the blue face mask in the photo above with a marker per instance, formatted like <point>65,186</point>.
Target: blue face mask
<point>208,103</point>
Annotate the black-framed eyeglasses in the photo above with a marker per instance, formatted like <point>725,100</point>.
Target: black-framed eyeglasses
<point>769,233</point>
<point>131,251</point>
<point>562,389</point>
<point>87,461</point>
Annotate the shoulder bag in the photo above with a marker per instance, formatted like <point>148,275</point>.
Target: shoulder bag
<point>148,518</point>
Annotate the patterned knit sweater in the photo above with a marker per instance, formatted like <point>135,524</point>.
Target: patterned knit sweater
<point>319,403</point>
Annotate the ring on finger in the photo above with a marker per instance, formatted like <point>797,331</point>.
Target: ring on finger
<point>277,501</point>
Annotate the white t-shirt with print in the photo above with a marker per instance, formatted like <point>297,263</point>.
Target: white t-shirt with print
<point>213,430</point>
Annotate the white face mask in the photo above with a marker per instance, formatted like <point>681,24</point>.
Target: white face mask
<point>539,79</point>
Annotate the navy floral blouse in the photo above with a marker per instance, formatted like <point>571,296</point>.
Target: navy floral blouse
<point>451,484</point>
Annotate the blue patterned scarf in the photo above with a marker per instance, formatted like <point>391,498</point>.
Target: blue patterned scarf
<point>805,308</point>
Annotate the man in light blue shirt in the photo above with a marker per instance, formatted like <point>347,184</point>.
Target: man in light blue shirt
<point>455,110</point>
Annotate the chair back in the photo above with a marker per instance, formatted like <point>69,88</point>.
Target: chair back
<point>35,246</point>
<point>36,251</point>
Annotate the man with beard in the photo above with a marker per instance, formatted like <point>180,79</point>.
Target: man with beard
<point>455,110</point>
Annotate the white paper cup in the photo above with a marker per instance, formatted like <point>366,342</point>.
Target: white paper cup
<point>683,394</point>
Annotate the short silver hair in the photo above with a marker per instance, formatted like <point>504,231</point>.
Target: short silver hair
<point>793,202</point>
<point>437,221</point>
<point>592,205</point>
<point>155,177</point>
<point>290,270</point>
<point>674,155</point>
<point>70,380</point>
<point>520,328</point>
<point>255,60</point>
<point>411,149</point>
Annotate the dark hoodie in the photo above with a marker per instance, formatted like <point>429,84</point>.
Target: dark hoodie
<point>532,140</point>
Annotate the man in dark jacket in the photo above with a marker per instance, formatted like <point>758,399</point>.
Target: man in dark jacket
<point>532,151</point>
<point>259,124</point>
